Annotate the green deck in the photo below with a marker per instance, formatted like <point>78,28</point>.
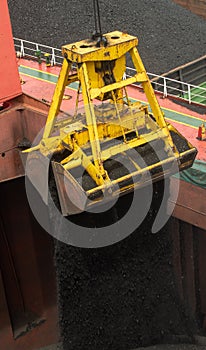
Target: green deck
<point>198,95</point>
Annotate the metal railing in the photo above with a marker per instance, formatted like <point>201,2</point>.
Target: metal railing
<point>161,84</point>
<point>171,87</point>
<point>29,49</point>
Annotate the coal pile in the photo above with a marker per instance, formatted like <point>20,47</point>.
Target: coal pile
<point>169,35</point>
<point>122,296</point>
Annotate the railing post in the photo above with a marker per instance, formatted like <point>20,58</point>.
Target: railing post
<point>22,48</point>
<point>165,87</point>
<point>53,60</point>
<point>189,93</point>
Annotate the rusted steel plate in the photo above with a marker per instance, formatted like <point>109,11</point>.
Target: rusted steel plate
<point>22,121</point>
<point>5,322</point>
<point>177,264</point>
<point>10,81</point>
<point>191,204</point>
<point>195,6</point>
<point>201,259</point>
<point>188,258</point>
<point>184,262</point>
<point>26,261</point>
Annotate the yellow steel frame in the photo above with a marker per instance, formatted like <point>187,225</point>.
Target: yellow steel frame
<point>89,59</point>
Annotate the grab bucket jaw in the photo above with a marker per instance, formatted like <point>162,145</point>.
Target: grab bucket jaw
<point>76,195</point>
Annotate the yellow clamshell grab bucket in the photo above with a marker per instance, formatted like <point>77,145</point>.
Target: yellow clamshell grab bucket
<point>111,146</point>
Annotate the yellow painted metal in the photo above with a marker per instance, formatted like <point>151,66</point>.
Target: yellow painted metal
<point>137,78</point>
<point>149,92</point>
<point>57,98</point>
<point>91,136</point>
<point>90,117</point>
<point>74,161</point>
<point>87,51</point>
